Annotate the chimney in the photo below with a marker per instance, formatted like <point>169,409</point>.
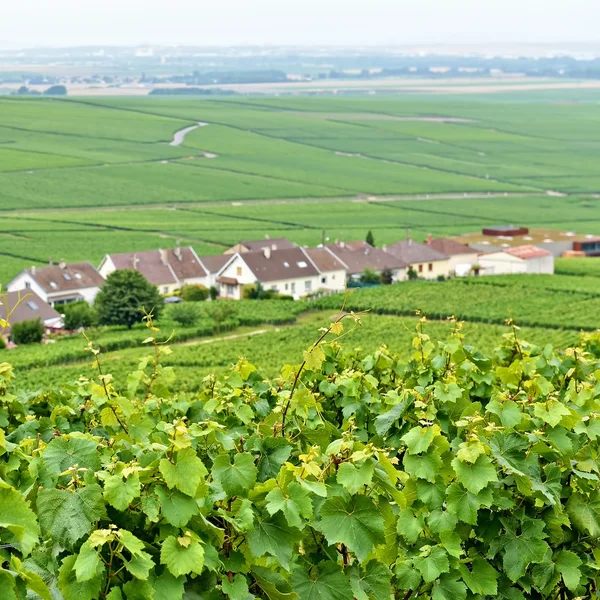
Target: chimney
<point>163,256</point>
<point>177,252</point>
<point>273,246</point>
<point>384,248</point>
<point>429,239</point>
<point>62,264</point>
<point>342,244</point>
<point>51,262</point>
<point>33,270</point>
<point>135,260</point>
<point>267,252</point>
<point>410,241</point>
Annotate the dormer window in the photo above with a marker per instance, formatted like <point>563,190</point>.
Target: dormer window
<point>32,305</point>
<point>302,264</point>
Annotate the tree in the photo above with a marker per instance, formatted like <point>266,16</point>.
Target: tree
<point>194,293</point>
<point>79,314</point>
<point>213,292</point>
<point>412,274</point>
<point>125,297</point>
<point>387,277</point>
<point>27,332</point>
<point>220,312</point>
<point>370,276</point>
<point>370,239</point>
<point>56,90</point>
<point>184,314</point>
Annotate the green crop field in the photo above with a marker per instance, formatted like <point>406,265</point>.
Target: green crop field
<point>79,178</point>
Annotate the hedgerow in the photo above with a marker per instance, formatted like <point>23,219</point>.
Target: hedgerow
<point>451,475</point>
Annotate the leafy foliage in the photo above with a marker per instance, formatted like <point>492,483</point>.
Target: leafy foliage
<point>451,475</point>
<point>27,332</point>
<point>79,314</point>
<point>124,298</point>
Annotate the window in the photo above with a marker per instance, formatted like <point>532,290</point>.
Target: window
<point>302,264</point>
<point>324,279</point>
<point>420,268</point>
<point>53,285</point>
<point>77,275</point>
<point>67,277</point>
<point>238,271</point>
<point>308,285</point>
<point>166,289</point>
<point>274,288</point>
<point>430,266</point>
<point>286,264</point>
<point>293,284</point>
<point>32,305</point>
<point>333,276</point>
<point>287,285</point>
<point>229,289</point>
<point>27,285</point>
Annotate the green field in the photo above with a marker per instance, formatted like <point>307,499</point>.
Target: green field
<point>81,178</point>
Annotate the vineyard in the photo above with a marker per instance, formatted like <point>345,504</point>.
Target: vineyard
<point>445,474</point>
<point>104,171</point>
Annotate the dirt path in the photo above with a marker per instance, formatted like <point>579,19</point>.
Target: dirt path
<point>179,136</point>
<point>212,340</point>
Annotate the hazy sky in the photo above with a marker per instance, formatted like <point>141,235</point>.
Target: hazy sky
<point>130,22</point>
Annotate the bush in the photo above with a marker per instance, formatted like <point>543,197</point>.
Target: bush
<point>124,298</point>
<point>27,332</point>
<point>194,293</point>
<point>79,314</point>
<point>387,277</point>
<point>370,276</point>
<point>213,292</point>
<point>412,274</point>
<point>2,342</point>
<point>185,314</point>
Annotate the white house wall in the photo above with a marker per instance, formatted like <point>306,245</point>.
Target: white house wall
<point>500,263</point>
<point>19,284</point>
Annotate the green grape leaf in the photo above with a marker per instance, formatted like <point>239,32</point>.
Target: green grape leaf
<point>88,563</point>
<point>115,594</point>
<point>294,503</point>
<point>432,565</point>
<point>372,582</point>
<point>17,516</point>
<point>354,479</point>
<point>243,515</point>
<point>64,452</point>
<point>448,588</point>
<point>273,536</point>
<point>451,542</point>
<point>138,590</point>
<point>441,520</point>
<point>182,557</point>
<point>119,493</point>
<point>139,565</point>
<point>353,521</point>
<point>273,584</point>
<point>237,589</point>
<point>567,563</point>
<point>175,507</point>
<point>186,473</point>
<point>69,515</point>
<point>585,513</point>
<point>423,466</point>
<point>466,505</point>
<point>408,526</point>
<point>8,586</point>
<point>274,452</point>
<point>326,581</point>
<point>78,590</point>
<point>551,412</point>
<point>482,578</point>
<point>475,476</point>
<point>520,550</point>
<point>384,422</point>
<point>166,586</point>
<point>418,439</point>
<point>237,478</point>
<point>407,577</point>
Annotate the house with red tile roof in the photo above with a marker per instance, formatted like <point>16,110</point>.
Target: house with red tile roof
<point>522,259</point>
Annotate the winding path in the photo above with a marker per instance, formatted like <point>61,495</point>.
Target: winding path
<point>179,136</point>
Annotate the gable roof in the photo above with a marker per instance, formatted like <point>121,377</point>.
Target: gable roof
<point>449,247</point>
<point>214,263</point>
<point>412,252</point>
<point>356,261</point>
<point>54,279</point>
<point>26,306</point>
<point>353,246</point>
<point>527,252</point>
<point>162,267</point>
<point>324,260</point>
<point>273,243</point>
<point>287,263</point>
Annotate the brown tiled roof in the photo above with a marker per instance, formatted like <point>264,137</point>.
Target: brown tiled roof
<point>355,261</point>
<point>324,260</point>
<point>228,280</point>
<point>449,247</point>
<point>25,306</point>
<point>213,264</point>
<point>273,243</point>
<point>161,267</point>
<point>76,276</point>
<point>412,252</point>
<point>353,246</point>
<point>527,252</point>
<point>289,263</point>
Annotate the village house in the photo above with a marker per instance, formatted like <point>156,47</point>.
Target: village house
<point>61,283</point>
<point>213,265</point>
<point>332,271</point>
<point>168,270</point>
<point>26,305</point>
<point>522,259</point>
<point>357,257</point>
<point>288,271</point>
<point>461,258</point>
<point>259,245</point>
<point>426,262</point>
